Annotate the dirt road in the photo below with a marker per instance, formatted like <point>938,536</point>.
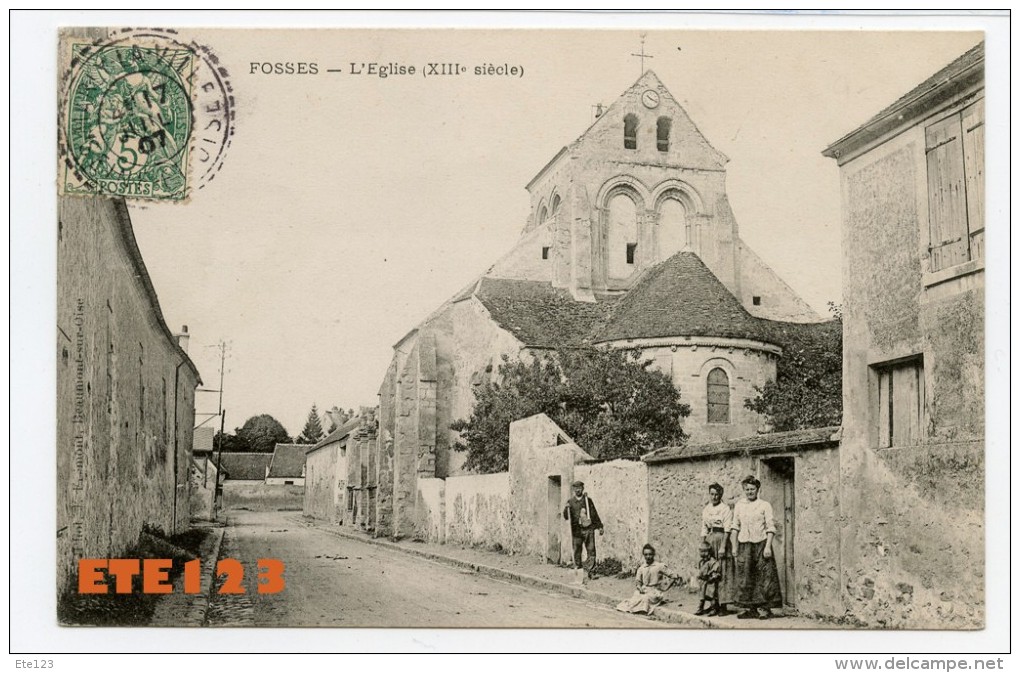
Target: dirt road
<point>339,582</point>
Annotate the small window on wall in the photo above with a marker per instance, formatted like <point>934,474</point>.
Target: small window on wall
<point>898,406</point>
<point>756,300</point>
<point>631,252</point>
<point>545,252</point>
<point>630,124</point>
<point>555,205</point>
<point>718,396</point>
<point>662,128</point>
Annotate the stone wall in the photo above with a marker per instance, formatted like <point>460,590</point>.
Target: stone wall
<point>258,496</point>
<point>125,392</point>
<point>429,385</point>
<point>430,510</point>
<point>688,360</point>
<point>619,489</point>
<point>690,171</point>
<point>478,510</point>
<point>542,460</point>
<point>203,488</point>
<point>325,484</point>
<point>678,491</point>
<point>913,538</point>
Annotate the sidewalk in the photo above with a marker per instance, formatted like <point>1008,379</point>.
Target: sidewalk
<point>679,609</point>
<point>181,609</point>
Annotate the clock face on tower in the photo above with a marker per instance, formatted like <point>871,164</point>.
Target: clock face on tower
<point>650,99</point>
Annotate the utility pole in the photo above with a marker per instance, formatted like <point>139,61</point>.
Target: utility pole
<point>219,466</point>
<point>218,445</point>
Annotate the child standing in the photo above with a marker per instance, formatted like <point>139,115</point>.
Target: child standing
<point>709,574</point>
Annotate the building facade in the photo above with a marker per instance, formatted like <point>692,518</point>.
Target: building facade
<point>912,454</point>
<point>125,393</point>
<point>631,243</point>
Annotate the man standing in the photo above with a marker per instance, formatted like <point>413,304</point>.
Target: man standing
<point>584,521</point>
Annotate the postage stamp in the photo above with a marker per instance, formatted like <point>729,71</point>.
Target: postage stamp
<point>128,116</point>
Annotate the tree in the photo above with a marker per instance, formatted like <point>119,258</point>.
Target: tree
<point>610,402</point>
<point>808,390</point>
<point>228,443</point>
<point>312,431</point>
<point>262,433</point>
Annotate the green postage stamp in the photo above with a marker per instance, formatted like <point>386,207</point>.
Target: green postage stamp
<point>127,121</point>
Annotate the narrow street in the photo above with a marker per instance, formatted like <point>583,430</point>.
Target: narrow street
<point>339,582</point>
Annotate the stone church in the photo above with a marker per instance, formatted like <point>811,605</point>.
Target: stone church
<point>630,243</point>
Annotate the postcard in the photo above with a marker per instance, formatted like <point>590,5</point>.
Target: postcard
<point>575,328</point>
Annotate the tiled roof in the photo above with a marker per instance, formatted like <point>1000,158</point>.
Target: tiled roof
<point>680,297</point>
<point>336,435</point>
<point>202,439</point>
<point>288,460</point>
<point>813,437</point>
<point>812,334</point>
<point>246,465</point>
<point>541,315</point>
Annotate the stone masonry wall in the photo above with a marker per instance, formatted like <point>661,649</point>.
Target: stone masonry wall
<point>541,456</point>
<point>325,487</point>
<point>478,510</point>
<point>678,491</point>
<point>619,489</point>
<point>913,537</point>
<point>124,431</point>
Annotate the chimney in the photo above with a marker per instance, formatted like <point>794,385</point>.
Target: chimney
<point>183,337</point>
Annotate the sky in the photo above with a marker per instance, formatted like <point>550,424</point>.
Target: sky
<point>349,207</point>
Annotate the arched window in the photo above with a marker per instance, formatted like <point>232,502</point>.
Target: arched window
<point>662,128</point>
<point>630,132</point>
<point>673,228</point>
<point>718,396</point>
<point>542,214</point>
<point>555,204</point>
<point>622,237</point>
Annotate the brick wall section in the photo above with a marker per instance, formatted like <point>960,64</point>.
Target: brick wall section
<point>122,425</point>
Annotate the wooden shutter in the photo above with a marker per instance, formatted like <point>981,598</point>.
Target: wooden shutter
<point>973,122</point>
<point>949,241</point>
<point>884,409</point>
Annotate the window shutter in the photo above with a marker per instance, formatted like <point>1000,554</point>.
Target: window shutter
<point>973,119</point>
<point>947,199</point>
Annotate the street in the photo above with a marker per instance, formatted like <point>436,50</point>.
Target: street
<point>332,581</point>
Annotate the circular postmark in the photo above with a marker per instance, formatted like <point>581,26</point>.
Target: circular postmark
<point>146,114</point>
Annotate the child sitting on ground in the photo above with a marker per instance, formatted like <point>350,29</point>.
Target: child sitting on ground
<point>709,574</point>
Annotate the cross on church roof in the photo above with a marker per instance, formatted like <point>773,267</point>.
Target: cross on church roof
<point>643,55</point>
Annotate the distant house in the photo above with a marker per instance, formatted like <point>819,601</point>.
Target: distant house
<point>326,492</point>
<point>245,466</point>
<point>287,466</point>
<point>912,455</point>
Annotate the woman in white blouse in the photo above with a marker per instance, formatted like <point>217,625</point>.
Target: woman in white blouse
<point>751,533</point>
